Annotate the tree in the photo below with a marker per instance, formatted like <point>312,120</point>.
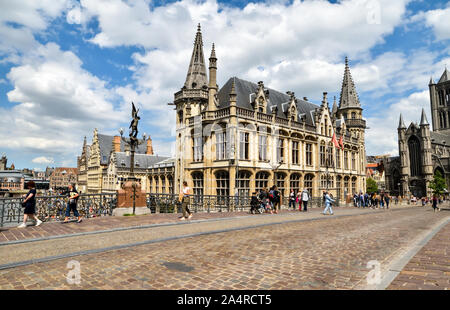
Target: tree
<point>371,186</point>
<point>438,184</point>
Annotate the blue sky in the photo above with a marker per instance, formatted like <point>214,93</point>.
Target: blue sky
<point>67,67</point>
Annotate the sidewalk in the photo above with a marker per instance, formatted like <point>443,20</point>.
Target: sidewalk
<point>50,229</point>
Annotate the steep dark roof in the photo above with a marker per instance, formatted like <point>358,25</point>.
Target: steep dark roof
<point>142,161</point>
<point>439,138</point>
<point>246,91</point>
<point>445,76</point>
<point>105,145</point>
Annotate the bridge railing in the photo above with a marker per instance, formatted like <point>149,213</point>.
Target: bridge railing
<point>52,208</point>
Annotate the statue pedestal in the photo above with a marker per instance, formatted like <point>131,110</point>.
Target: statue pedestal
<point>125,199</point>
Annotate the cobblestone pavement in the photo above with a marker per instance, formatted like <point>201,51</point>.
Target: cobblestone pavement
<point>317,254</point>
<point>430,268</point>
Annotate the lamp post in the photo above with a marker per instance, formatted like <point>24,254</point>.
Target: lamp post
<point>133,142</point>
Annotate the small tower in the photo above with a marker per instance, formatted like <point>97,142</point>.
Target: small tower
<point>440,103</point>
<point>404,156</point>
<point>213,87</point>
<point>427,163</point>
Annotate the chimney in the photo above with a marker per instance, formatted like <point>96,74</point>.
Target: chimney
<point>149,146</point>
<point>116,144</point>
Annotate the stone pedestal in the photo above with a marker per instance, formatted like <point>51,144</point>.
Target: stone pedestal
<point>125,199</point>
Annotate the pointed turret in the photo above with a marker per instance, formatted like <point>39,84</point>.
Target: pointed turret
<point>233,93</point>
<point>431,81</point>
<point>445,76</point>
<point>401,124</point>
<point>423,119</point>
<point>212,98</point>
<point>349,97</point>
<point>334,108</point>
<point>196,75</point>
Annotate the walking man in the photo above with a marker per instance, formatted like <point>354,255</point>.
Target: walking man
<point>328,202</point>
<point>276,199</point>
<point>292,199</point>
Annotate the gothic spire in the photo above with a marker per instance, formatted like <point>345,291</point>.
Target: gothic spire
<point>196,75</point>
<point>349,97</point>
<point>334,108</point>
<point>401,123</point>
<point>423,119</point>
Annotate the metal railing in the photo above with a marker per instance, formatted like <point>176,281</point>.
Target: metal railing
<point>52,208</point>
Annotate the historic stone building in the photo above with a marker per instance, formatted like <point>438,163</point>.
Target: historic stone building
<point>104,165</point>
<point>423,151</point>
<point>246,136</point>
<point>61,177</point>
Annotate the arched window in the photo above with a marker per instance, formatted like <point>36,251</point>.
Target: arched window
<point>222,183</point>
<point>308,183</point>
<point>295,182</point>
<point>261,180</point>
<point>163,184</point>
<point>414,156</point>
<point>346,184</point>
<point>197,178</point>
<point>170,179</point>
<point>354,185</point>
<point>243,183</point>
<point>280,181</point>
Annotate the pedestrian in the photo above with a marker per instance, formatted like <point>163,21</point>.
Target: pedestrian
<point>366,200</point>
<point>254,203</point>
<point>184,199</point>
<point>30,206</point>
<point>299,200</point>
<point>305,199</point>
<point>382,200</point>
<point>292,199</point>
<point>276,199</point>
<point>435,203</point>
<point>387,199</point>
<point>72,203</point>
<point>328,202</point>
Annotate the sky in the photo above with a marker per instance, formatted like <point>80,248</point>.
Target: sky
<point>68,66</point>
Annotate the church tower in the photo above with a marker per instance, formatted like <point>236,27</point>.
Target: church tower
<point>427,162</point>
<point>189,102</point>
<point>404,156</point>
<point>440,103</point>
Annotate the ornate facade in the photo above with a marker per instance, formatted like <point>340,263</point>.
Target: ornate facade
<point>245,136</point>
<point>105,163</point>
<point>423,152</point>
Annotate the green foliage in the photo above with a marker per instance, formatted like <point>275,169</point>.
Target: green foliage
<point>371,186</point>
<point>438,184</point>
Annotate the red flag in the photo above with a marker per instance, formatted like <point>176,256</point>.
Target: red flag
<point>334,140</point>
<point>341,142</point>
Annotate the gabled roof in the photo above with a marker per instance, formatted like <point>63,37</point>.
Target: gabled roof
<point>445,76</point>
<point>246,91</point>
<point>142,161</point>
<point>439,138</point>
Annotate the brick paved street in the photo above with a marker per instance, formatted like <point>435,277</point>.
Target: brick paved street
<point>330,253</point>
<point>430,268</point>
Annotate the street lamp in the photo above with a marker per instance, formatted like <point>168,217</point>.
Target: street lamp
<point>133,142</point>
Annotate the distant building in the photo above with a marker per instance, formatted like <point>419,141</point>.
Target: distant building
<point>105,164</point>
<point>423,152</point>
<point>375,170</point>
<point>62,177</point>
<point>3,162</point>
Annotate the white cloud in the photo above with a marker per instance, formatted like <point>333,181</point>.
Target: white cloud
<point>43,160</point>
<point>439,20</point>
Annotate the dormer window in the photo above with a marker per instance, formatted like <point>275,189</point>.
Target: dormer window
<point>194,85</point>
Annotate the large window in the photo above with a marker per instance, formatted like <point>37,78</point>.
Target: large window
<point>244,145</point>
<point>243,183</point>
<point>262,147</point>
<point>354,185</point>
<point>322,155</point>
<point>197,178</point>
<point>295,152</point>
<point>353,161</point>
<point>197,147</point>
<point>414,156</point>
<point>308,183</point>
<point>346,184</point>
<point>170,179</point>
<point>338,185</point>
<point>295,182</point>
<point>261,180</point>
<point>222,183</point>
<point>163,184</point>
<point>345,159</point>
<point>221,145</point>
<point>330,156</point>
<point>280,150</point>
<point>308,157</point>
<point>156,184</point>
<point>280,181</point>
<point>338,158</point>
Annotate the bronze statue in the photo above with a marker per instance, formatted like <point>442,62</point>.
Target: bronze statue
<point>134,122</point>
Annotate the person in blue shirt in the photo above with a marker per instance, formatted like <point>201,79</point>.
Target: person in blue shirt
<point>328,202</point>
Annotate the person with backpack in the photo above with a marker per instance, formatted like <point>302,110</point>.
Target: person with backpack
<point>276,199</point>
<point>305,199</point>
